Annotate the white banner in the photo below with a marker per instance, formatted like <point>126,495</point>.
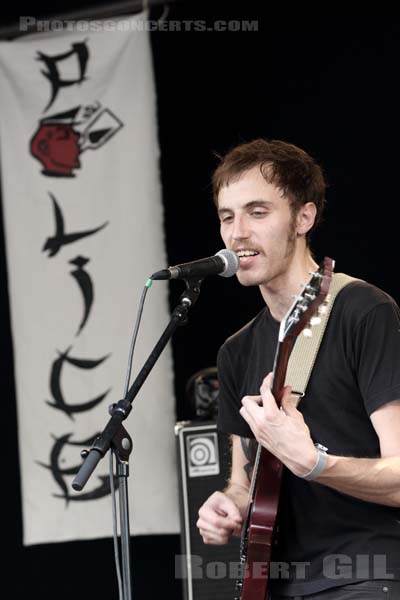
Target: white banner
<point>84,230</point>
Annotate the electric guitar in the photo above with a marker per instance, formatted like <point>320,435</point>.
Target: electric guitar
<point>259,527</point>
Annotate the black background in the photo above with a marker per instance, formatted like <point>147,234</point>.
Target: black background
<point>327,82</point>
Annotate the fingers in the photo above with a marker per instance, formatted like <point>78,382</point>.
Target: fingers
<point>267,382</point>
<point>250,410</point>
<point>219,518</point>
<point>288,402</point>
<point>216,536</point>
<point>268,400</point>
<point>257,409</point>
<point>280,430</point>
<point>261,412</point>
<point>223,505</point>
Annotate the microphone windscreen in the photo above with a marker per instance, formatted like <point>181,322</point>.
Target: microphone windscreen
<point>232,262</point>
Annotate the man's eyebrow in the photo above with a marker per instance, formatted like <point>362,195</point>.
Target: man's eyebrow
<point>251,204</point>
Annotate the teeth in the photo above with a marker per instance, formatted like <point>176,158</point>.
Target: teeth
<point>241,253</point>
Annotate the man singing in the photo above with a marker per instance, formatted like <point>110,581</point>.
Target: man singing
<point>339,526</point>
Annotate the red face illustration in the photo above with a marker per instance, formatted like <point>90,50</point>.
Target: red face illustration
<point>57,148</point>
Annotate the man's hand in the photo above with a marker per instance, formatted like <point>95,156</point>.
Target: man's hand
<point>282,432</point>
<point>219,518</point>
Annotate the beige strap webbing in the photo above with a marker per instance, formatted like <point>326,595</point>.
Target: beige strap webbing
<point>305,350</point>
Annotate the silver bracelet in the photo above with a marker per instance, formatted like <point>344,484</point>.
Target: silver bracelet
<point>322,459</point>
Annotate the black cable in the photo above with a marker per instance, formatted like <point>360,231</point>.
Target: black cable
<point>111,462</point>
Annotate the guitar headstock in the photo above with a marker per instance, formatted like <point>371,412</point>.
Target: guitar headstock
<point>306,304</point>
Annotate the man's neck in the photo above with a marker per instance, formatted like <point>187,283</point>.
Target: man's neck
<point>278,293</point>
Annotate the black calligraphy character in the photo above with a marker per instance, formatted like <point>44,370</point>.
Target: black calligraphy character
<point>55,384</point>
<point>85,285</point>
<point>60,473</point>
<point>81,51</point>
<point>60,238</point>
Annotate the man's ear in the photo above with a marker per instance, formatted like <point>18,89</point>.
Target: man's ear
<point>305,218</point>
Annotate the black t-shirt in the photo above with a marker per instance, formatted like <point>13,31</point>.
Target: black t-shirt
<point>327,538</point>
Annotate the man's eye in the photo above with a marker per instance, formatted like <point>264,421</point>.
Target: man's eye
<point>258,213</point>
<point>226,219</point>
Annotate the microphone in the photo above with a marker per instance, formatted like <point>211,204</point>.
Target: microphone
<point>224,263</point>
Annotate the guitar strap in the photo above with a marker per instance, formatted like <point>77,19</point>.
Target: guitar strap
<point>305,350</point>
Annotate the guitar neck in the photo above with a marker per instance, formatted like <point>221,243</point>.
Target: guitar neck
<point>281,361</point>
<point>260,525</point>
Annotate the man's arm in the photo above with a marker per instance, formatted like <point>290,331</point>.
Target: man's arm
<point>285,434</point>
<point>223,513</point>
<point>373,480</point>
<point>243,455</point>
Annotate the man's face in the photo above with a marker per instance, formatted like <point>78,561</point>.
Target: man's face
<point>257,223</point>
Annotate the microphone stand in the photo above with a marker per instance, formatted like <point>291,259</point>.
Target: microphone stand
<point>116,436</point>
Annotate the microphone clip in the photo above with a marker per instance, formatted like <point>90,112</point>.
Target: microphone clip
<point>192,291</point>
<point>187,299</point>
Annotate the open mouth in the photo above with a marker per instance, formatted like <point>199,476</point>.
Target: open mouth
<point>247,257</point>
<point>246,253</point>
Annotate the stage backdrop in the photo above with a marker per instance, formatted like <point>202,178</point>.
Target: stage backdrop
<point>84,230</point>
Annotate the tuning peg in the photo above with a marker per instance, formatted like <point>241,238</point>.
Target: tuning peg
<point>315,274</point>
<point>322,310</point>
<point>307,332</point>
<point>310,296</point>
<point>315,320</point>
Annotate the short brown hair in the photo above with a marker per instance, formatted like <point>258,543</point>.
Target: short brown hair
<point>284,165</point>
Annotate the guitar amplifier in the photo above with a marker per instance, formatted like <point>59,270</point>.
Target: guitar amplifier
<point>206,571</point>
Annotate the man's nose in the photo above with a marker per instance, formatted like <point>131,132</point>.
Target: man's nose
<point>240,229</point>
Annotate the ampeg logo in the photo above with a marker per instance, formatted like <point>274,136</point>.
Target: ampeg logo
<point>203,454</point>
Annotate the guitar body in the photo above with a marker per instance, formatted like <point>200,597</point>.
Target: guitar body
<point>261,529</point>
